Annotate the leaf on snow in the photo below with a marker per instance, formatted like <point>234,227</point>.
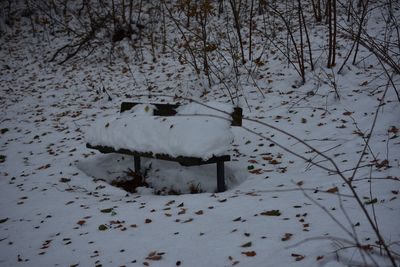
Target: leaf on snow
<point>271,213</point>
<point>249,253</point>
<point>298,257</point>
<point>333,190</point>
<point>372,201</point>
<point>107,210</point>
<point>155,256</point>
<point>246,245</point>
<point>102,227</point>
<point>81,222</point>
<point>287,237</point>
<point>64,180</point>
<point>319,258</point>
<point>200,212</point>
<point>256,171</point>
<point>237,219</point>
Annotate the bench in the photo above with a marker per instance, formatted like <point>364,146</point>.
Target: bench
<point>171,110</point>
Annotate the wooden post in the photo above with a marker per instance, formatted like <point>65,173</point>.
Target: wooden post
<point>220,177</point>
<point>137,163</point>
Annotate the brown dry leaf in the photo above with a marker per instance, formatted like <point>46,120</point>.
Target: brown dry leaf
<point>44,167</point>
<point>382,164</point>
<point>287,237</point>
<point>81,222</point>
<point>359,133</point>
<point>319,258</point>
<point>155,256</point>
<point>274,162</point>
<point>249,253</point>
<point>182,211</point>
<point>148,221</point>
<point>200,212</point>
<point>246,245</point>
<point>333,190</point>
<point>393,130</point>
<point>256,171</point>
<point>298,257</point>
<point>271,213</point>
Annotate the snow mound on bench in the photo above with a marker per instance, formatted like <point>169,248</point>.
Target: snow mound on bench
<point>191,136</point>
<point>142,109</point>
<point>212,108</point>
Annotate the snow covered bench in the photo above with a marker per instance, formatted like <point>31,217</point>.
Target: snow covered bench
<point>191,135</point>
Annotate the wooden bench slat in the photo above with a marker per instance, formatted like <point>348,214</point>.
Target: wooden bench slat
<point>184,161</point>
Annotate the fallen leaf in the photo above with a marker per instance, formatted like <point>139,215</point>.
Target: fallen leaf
<point>298,257</point>
<point>246,245</point>
<point>102,227</point>
<point>81,222</point>
<point>154,256</point>
<point>271,213</point>
<point>106,210</point>
<point>287,237</point>
<point>237,219</point>
<point>333,190</point>
<point>393,130</point>
<point>256,171</point>
<point>372,201</point>
<point>249,253</point>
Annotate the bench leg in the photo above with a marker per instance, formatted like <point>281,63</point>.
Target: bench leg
<point>137,163</point>
<point>220,177</point>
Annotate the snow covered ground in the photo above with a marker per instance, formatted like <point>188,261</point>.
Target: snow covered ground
<point>57,207</point>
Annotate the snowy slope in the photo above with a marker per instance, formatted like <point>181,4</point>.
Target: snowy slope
<point>57,207</point>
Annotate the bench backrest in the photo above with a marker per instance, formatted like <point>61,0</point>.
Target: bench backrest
<point>170,110</point>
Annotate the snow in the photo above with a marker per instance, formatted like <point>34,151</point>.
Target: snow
<point>191,136</point>
<point>55,193</point>
<point>142,110</point>
<point>211,108</point>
